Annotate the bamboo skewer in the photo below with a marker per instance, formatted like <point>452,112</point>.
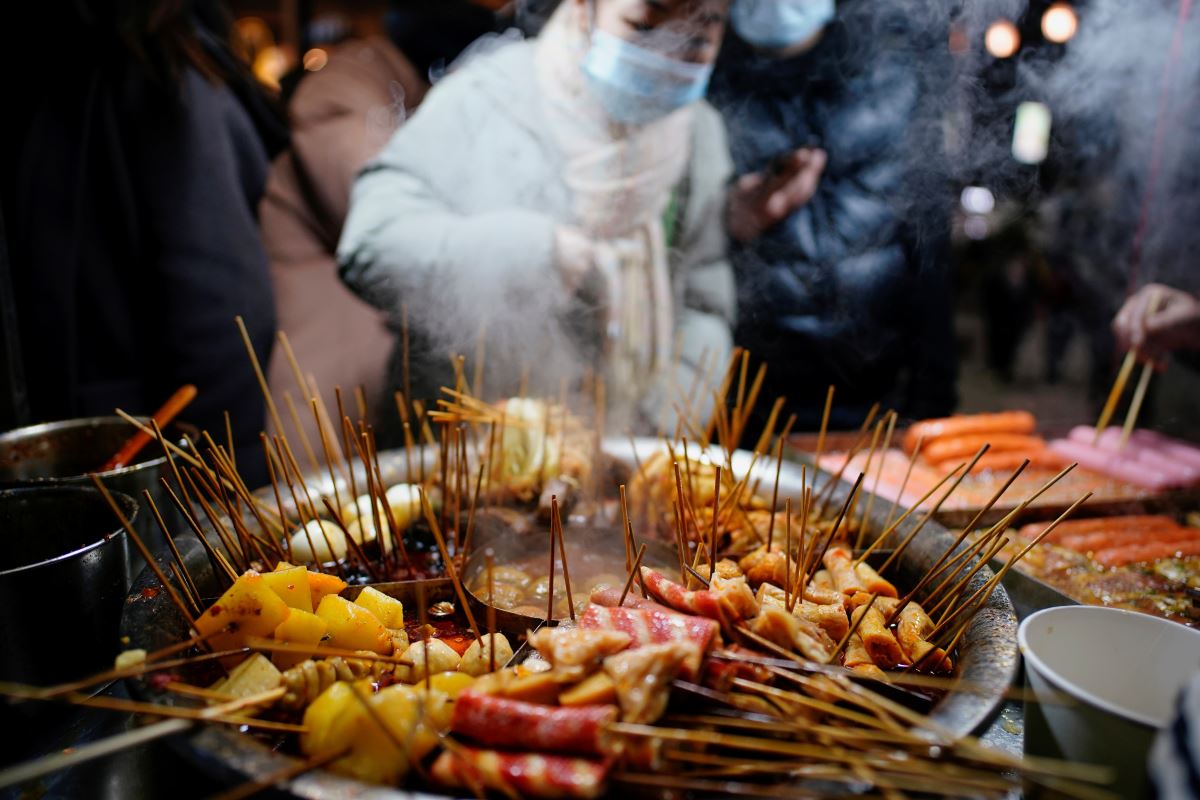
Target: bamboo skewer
<point>1135,405</point>
<point>451,570</point>
<point>186,581</point>
<point>887,443</point>
<point>867,471</point>
<point>258,373</point>
<point>1114,394</point>
<point>970,526</point>
<point>490,560</point>
<point>134,738</point>
<point>826,492</point>
<point>556,525</point>
<point>637,568</point>
<point>143,550</point>
<point>821,434</point>
<point>900,548</point>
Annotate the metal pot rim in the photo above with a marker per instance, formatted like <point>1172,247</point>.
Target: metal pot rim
<point>129,508</point>
<point>55,426</point>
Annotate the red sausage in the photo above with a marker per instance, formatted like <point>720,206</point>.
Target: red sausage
<point>501,722</point>
<point>520,774</point>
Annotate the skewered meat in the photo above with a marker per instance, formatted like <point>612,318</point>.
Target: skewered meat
<point>578,651</point>
<point>654,626</point>
<point>643,678</point>
<point>724,601</point>
<point>912,629</point>
<point>873,582</point>
<point>520,774</point>
<point>840,563</point>
<point>858,659</point>
<point>501,722</point>
<point>831,617</point>
<point>882,647</point>
<point>794,633</point>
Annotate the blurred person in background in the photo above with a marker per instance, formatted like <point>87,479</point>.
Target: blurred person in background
<point>852,287</point>
<point>341,116</point>
<point>132,171</point>
<point>564,199</point>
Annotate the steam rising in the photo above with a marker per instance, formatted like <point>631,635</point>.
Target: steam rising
<point>1104,90</point>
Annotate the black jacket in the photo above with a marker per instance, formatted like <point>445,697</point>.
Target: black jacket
<point>853,289</point>
<point>130,214</point>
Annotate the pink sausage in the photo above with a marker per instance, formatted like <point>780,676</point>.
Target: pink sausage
<point>1106,463</point>
<point>1154,456</point>
<point>1176,449</point>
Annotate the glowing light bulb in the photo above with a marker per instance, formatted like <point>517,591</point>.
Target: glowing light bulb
<point>1002,39</point>
<point>1059,23</point>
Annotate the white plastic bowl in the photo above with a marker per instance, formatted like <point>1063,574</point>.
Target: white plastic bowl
<point>1104,680</point>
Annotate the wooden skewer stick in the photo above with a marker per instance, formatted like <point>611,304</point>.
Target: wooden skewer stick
<point>802,557</point>
<point>183,396</point>
<point>125,741</point>
<point>864,435</point>
<point>490,560</point>
<point>176,449</point>
<point>221,564</point>
<point>305,442</point>
<point>188,584</point>
<point>451,570</point>
<point>1114,394</point>
<point>320,650</point>
<point>887,443</point>
<point>867,471</point>
<point>900,548</point>
<point>853,629</point>
<point>936,600</point>
<point>712,548</point>
<point>912,460</point>
<point>637,568</point>
<point>625,524</point>
<point>145,552</point>
<point>550,593</point>
<point>821,435</point>
<point>970,526</point>
<point>775,490</point>
<point>556,522</point>
<point>787,554</point>
<point>991,585</point>
<point>258,373</point>
<point>1135,405</point>
<point>833,532</point>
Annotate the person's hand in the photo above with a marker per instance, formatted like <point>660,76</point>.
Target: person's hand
<point>1156,320</point>
<point>760,199</point>
<point>575,256</point>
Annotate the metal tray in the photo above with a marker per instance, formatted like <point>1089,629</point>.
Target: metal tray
<point>988,656</point>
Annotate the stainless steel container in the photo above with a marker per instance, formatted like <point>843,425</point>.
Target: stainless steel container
<point>62,582</point>
<point>64,453</point>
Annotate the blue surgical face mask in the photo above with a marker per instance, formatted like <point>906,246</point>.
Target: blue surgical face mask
<point>637,85</point>
<point>776,24</point>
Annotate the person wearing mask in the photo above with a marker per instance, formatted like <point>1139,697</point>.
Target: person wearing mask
<point>341,117</point>
<point>561,201</point>
<point>852,287</point>
<point>129,196</point>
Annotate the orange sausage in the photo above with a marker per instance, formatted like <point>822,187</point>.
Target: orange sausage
<point>1007,461</point>
<point>1134,553</point>
<point>945,448</point>
<point>1087,542</point>
<point>1139,522</point>
<point>962,425</point>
